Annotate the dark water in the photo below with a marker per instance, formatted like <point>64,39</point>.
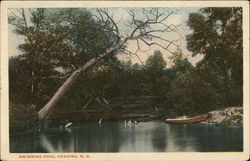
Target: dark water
<point>143,137</point>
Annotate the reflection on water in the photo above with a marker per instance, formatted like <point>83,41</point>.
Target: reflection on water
<point>159,139</point>
<point>143,137</point>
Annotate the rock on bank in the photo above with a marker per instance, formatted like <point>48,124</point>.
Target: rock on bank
<point>232,116</point>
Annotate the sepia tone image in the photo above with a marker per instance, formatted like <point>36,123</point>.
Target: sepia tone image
<point>124,79</point>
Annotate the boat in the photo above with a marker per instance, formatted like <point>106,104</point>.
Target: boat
<point>185,120</point>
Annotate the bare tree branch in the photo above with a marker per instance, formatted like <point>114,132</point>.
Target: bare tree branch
<point>157,44</point>
<point>109,20</point>
<point>134,53</point>
<point>140,30</point>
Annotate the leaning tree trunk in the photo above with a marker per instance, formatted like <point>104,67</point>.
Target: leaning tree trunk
<point>46,110</point>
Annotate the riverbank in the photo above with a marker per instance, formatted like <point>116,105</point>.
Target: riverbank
<point>231,116</point>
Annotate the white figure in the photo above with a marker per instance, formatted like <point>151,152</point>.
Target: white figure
<point>136,122</point>
<point>100,121</point>
<point>125,123</point>
<point>129,122</point>
<point>68,124</point>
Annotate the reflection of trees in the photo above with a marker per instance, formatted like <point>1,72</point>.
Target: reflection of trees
<point>145,137</point>
<point>159,138</point>
<point>204,138</point>
<point>63,141</point>
<point>103,138</point>
<point>183,137</point>
<point>23,143</point>
<point>129,140</point>
<point>90,138</point>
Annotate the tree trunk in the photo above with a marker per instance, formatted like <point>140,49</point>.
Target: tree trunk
<point>46,110</point>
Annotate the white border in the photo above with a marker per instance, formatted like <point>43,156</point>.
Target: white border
<point>5,155</point>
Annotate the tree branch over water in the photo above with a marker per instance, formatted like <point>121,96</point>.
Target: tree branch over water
<point>144,26</point>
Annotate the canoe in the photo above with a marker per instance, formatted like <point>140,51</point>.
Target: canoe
<point>189,120</point>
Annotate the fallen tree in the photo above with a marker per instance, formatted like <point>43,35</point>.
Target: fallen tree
<point>67,84</point>
<point>141,31</point>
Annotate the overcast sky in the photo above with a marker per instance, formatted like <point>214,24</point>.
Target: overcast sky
<point>120,15</point>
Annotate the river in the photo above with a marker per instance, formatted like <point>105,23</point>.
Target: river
<point>153,136</point>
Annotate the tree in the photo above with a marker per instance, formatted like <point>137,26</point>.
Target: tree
<point>180,63</point>
<point>141,31</point>
<point>217,34</point>
<point>194,94</point>
<point>155,63</point>
<point>155,75</point>
<point>40,56</point>
<point>50,44</point>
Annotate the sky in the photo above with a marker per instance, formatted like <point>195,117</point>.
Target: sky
<point>121,16</point>
<point>180,18</point>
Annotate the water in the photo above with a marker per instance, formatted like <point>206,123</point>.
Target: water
<point>143,137</point>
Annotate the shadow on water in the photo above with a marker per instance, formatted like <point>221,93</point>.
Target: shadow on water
<point>144,137</point>
<point>159,138</point>
<point>206,138</point>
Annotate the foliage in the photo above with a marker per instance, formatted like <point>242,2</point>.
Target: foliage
<point>217,34</point>
<point>155,63</point>
<point>56,42</point>
<point>180,63</point>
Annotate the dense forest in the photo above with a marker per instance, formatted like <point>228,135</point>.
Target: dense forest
<point>59,41</point>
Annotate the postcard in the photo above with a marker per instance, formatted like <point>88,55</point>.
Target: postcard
<point>124,80</point>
